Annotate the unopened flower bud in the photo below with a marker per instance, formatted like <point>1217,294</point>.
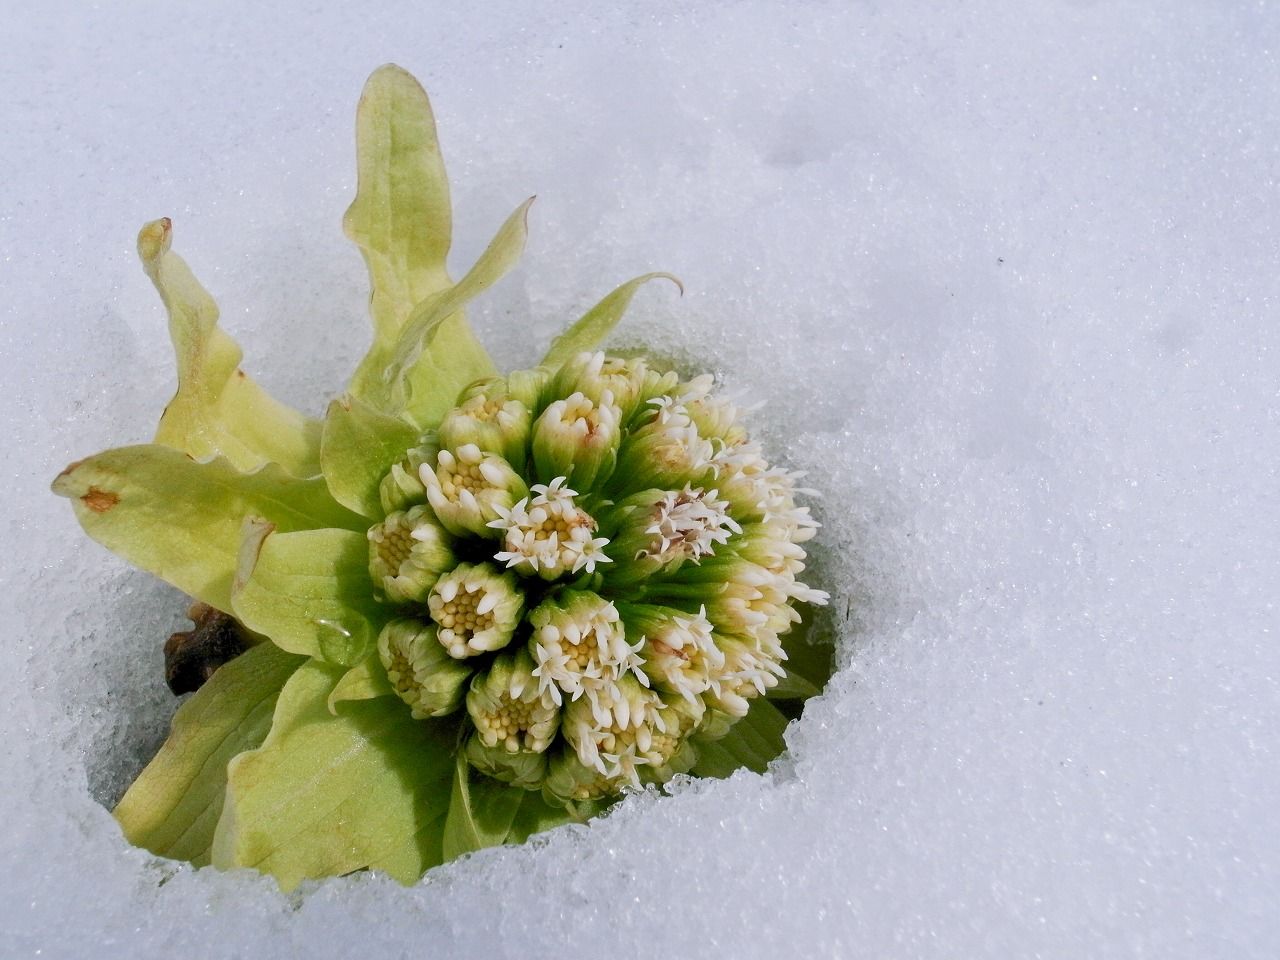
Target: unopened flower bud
<point>477,608</point>
<point>753,601</point>
<point>514,725</point>
<point>671,749</point>
<point>402,488</point>
<point>508,710</point>
<point>577,438</point>
<point>493,421</point>
<point>407,552</point>
<point>598,377</point>
<point>527,386</point>
<point>467,488</point>
<point>422,674</point>
<point>569,781</point>
<point>666,450</point>
<point>520,769</point>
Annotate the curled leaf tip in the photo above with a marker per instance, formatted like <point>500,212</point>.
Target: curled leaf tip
<point>673,278</point>
<point>69,469</point>
<point>154,239</point>
<point>522,212</point>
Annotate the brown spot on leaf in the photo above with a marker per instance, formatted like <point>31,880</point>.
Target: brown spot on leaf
<point>68,469</point>
<point>100,501</point>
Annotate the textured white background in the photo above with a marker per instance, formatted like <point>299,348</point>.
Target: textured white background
<point>1006,275</point>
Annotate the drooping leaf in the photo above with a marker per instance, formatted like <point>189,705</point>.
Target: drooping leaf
<point>181,520</point>
<point>218,410</point>
<point>589,331</point>
<point>481,811</point>
<point>325,795</point>
<point>431,364</point>
<point>365,681</point>
<point>310,592</point>
<point>751,742</point>
<point>360,444</point>
<point>174,805</point>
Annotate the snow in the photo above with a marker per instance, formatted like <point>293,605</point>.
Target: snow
<point>1006,277</point>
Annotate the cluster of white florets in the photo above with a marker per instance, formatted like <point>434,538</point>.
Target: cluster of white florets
<point>597,564</point>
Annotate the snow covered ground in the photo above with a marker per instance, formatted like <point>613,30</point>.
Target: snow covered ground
<point>1006,274</point>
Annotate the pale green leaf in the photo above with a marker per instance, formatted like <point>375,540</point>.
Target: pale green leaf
<point>431,363</point>
<point>310,593</point>
<point>535,815</point>
<point>596,324</point>
<point>751,742</point>
<point>365,681</point>
<point>402,223</point>
<point>400,218</point>
<point>174,805</point>
<point>218,409</point>
<point>181,520</point>
<point>326,795</point>
<point>451,358</point>
<point>360,444</point>
<point>481,811</point>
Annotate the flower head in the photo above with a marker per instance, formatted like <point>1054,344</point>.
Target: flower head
<point>619,542</point>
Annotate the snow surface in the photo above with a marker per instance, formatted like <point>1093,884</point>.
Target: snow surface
<point>1007,276</point>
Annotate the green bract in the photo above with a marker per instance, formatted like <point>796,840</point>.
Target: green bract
<point>484,605</point>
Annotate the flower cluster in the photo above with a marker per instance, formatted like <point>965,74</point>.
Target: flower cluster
<point>595,563</point>
<point>472,606</point>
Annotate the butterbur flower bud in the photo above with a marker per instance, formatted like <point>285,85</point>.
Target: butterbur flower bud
<point>658,530</point>
<point>579,646</point>
<point>422,674</point>
<point>514,725</point>
<point>402,487</point>
<point>520,769</point>
<point>569,781</point>
<point>467,488</point>
<point>548,534</point>
<point>507,708</point>
<point>407,552</point>
<point>577,438</point>
<point>746,673</point>
<point>476,607</point>
<point>665,451</point>
<point>671,749</point>
<point>604,379</point>
<point>491,420</point>
<point>756,602</point>
<point>680,653</point>
<point>613,731</point>
<point>527,386</point>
